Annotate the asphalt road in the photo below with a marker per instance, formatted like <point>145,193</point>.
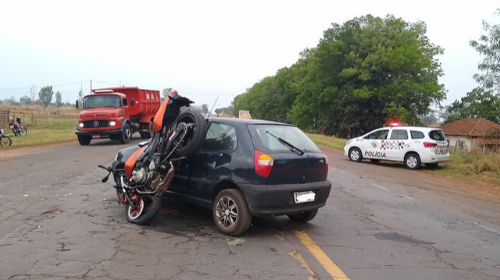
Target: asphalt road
<point>58,221</point>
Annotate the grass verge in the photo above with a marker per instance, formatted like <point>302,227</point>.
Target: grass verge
<point>327,141</point>
<point>48,132</point>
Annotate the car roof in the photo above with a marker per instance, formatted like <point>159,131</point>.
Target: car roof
<point>236,121</point>
<point>410,127</point>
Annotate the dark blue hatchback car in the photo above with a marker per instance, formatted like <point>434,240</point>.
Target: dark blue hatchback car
<point>249,167</point>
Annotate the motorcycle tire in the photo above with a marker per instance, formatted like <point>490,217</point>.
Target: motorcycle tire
<point>147,208</point>
<point>195,138</point>
<point>5,141</point>
<point>23,131</point>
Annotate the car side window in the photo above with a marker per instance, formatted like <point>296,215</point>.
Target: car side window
<point>379,134</point>
<point>417,134</point>
<point>399,134</point>
<point>220,137</point>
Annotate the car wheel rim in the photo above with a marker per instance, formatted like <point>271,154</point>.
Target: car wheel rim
<point>354,155</point>
<point>411,162</point>
<point>226,212</point>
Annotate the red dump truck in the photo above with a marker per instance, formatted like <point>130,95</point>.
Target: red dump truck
<point>117,113</point>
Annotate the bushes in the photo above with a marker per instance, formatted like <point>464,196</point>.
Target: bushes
<point>474,163</point>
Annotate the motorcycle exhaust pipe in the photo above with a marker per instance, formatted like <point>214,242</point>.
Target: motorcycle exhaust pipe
<point>166,182</point>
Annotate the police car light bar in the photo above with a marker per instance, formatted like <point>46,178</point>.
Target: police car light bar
<point>394,124</point>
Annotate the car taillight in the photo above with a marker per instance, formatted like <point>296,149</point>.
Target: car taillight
<point>263,163</point>
<point>326,163</point>
<point>430,145</point>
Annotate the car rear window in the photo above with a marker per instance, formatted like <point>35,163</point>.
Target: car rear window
<point>437,135</point>
<point>266,143</point>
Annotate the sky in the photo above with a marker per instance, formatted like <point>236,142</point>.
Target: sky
<point>207,50</point>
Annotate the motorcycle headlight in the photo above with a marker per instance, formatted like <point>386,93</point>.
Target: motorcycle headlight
<point>112,123</point>
<point>81,124</point>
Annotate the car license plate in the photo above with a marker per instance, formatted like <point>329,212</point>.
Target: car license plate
<point>301,197</point>
<point>96,136</point>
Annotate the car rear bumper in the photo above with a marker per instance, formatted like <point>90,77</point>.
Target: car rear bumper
<point>274,200</point>
<point>434,158</point>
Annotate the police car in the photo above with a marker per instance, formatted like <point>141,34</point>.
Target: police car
<point>409,144</point>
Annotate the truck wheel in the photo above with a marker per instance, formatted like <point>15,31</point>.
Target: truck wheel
<point>151,129</point>
<point>127,133</point>
<point>197,131</point>
<point>84,140</point>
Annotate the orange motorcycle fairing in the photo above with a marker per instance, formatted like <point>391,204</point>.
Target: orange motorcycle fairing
<point>130,163</point>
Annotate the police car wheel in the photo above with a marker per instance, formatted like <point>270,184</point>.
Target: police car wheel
<point>355,154</point>
<point>412,161</point>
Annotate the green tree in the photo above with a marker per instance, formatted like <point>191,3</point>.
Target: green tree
<point>367,72</point>
<point>476,104</point>
<point>58,99</point>
<point>488,46</point>
<point>45,95</point>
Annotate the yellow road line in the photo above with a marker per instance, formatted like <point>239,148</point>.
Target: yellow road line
<point>323,259</point>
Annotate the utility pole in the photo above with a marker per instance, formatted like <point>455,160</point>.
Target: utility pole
<point>32,92</point>
<point>90,85</point>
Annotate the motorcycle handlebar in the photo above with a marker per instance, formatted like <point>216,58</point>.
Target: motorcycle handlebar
<point>106,168</point>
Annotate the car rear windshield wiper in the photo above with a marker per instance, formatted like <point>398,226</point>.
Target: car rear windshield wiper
<point>286,143</point>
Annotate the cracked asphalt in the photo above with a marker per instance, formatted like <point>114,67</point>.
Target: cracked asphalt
<point>58,221</point>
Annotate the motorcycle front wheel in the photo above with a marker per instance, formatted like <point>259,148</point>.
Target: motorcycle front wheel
<point>146,208</point>
<point>23,131</point>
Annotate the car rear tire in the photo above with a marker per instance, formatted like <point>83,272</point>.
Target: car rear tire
<point>303,217</point>
<point>230,212</point>
<point>355,154</point>
<point>84,140</point>
<point>412,161</point>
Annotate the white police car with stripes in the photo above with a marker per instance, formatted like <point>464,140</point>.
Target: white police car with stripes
<point>409,144</point>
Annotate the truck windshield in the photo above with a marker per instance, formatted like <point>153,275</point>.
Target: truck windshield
<point>101,101</point>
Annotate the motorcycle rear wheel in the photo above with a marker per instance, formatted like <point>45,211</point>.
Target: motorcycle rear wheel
<point>196,135</point>
<point>146,209</point>
<point>23,131</point>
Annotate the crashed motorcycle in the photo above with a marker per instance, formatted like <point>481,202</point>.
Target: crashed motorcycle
<point>143,174</point>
